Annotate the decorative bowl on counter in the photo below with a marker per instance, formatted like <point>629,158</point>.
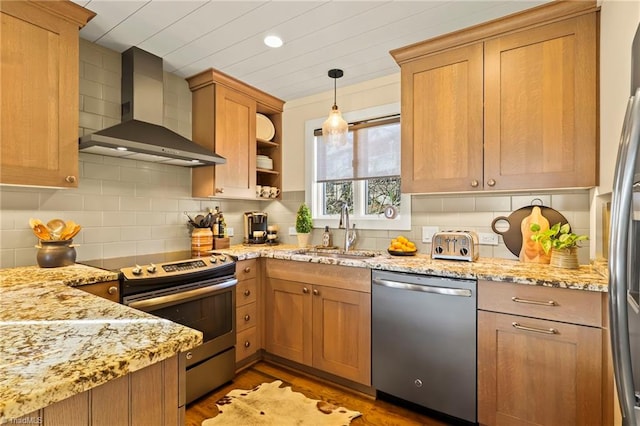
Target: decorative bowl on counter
<point>402,253</point>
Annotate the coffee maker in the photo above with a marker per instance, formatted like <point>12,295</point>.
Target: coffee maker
<point>255,227</point>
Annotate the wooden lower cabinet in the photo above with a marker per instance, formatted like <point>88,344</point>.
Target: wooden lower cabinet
<point>150,396</point>
<point>109,290</point>
<point>537,371</point>
<point>247,311</point>
<point>320,316</point>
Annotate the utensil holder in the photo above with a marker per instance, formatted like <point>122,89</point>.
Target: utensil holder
<point>55,253</point>
<point>201,242</point>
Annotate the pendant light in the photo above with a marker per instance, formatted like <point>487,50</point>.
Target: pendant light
<point>335,129</point>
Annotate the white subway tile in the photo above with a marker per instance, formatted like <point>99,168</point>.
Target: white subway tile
<point>26,256</point>
<point>150,218</point>
<point>519,201</point>
<point>473,220</point>
<point>169,231</point>
<point>119,219</point>
<point>102,171</point>
<point>135,203</point>
<point>17,238</point>
<point>189,206</point>
<point>101,107</point>
<point>112,187</point>
<point>104,234</point>
<point>89,54</point>
<point>112,94</point>
<point>10,200</point>
<point>90,88</point>
<point>99,203</point>
<point>128,174</point>
<point>135,233</point>
<point>89,186</point>
<point>149,247</point>
<point>570,201</point>
<point>7,258</point>
<point>110,250</point>
<point>164,205</point>
<point>177,244</point>
<point>91,158</point>
<point>90,121</point>
<point>455,205</point>
<point>89,252</point>
<point>61,200</point>
<point>427,204</point>
<point>493,204</point>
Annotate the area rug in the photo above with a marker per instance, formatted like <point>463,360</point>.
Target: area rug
<point>269,404</point>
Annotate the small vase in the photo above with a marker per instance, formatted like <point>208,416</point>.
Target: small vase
<point>55,253</point>
<point>201,242</point>
<point>303,239</point>
<point>565,258</point>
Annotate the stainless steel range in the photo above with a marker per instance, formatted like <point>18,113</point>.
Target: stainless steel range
<point>200,294</point>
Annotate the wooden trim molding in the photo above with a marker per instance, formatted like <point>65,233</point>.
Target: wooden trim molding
<point>544,14</point>
<point>66,10</point>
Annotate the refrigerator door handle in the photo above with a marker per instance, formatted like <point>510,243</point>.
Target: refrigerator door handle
<point>618,255</point>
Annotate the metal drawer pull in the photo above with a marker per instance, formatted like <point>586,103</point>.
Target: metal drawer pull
<point>247,317</point>
<point>537,330</point>
<point>534,302</point>
<point>463,292</point>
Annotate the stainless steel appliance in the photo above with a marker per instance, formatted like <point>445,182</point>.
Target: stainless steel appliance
<point>200,294</point>
<point>624,255</point>
<point>424,341</point>
<point>455,245</point>
<point>255,227</point>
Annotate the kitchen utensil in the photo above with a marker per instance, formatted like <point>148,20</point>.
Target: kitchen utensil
<point>264,128</point>
<point>532,251</point>
<point>41,231</point>
<point>512,236</point>
<point>73,232</point>
<point>55,227</point>
<point>68,229</point>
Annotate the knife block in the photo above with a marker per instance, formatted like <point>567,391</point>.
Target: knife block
<point>221,243</point>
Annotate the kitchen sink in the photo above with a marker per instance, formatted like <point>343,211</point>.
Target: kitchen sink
<point>338,254</point>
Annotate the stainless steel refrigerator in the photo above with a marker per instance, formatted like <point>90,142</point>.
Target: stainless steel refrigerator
<point>624,255</point>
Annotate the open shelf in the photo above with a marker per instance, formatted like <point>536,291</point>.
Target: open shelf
<point>267,144</point>
<point>272,172</point>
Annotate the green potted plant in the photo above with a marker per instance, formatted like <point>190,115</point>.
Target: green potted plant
<point>560,242</point>
<point>304,225</point>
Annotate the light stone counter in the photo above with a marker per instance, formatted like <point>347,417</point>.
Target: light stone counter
<point>587,277</point>
<point>59,341</point>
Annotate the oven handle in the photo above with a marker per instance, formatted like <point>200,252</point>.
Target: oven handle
<point>183,296</point>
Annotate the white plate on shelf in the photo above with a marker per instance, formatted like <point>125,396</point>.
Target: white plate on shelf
<point>264,128</point>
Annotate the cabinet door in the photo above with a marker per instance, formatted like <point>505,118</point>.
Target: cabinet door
<point>538,376</point>
<point>442,121</point>
<point>288,320</point>
<point>540,107</point>
<point>235,137</point>
<point>342,333</point>
<point>39,97</point>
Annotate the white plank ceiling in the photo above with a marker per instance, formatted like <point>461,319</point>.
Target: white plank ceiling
<point>356,36</point>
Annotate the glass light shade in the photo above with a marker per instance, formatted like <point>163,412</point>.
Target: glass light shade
<point>335,128</point>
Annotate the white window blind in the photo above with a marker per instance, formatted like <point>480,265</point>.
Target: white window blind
<point>372,151</point>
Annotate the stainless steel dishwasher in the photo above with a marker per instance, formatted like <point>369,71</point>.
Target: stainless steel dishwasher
<point>424,341</point>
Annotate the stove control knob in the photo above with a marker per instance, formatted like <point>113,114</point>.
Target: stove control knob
<point>214,259</point>
<point>223,258</point>
<point>151,268</point>
<point>137,270</point>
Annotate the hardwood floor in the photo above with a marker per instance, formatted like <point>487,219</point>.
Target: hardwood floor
<point>374,412</point>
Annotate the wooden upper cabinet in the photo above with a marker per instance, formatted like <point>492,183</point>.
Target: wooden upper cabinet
<point>224,120</point>
<point>540,106</point>
<point>509,104</point>
<point>39,57</point>
<point>442,121</point>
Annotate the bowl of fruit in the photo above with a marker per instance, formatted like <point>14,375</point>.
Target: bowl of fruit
<point>401,246</point>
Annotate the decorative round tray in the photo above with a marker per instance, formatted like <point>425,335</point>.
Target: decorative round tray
<point>402,253</point>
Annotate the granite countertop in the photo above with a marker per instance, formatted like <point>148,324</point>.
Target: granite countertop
<point>587,277</point>
<point>59,341</point>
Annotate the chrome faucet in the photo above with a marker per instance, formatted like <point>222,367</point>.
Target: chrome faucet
<point>349,233</point>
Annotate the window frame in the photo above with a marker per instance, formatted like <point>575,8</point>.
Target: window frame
<point>313,196</point>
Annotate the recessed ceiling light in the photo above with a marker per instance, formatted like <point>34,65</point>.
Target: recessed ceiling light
<point>273,41</point>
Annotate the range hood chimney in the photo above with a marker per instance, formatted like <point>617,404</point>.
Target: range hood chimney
<point>141,135</point>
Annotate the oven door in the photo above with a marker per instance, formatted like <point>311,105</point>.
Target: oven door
<point>207,306</point>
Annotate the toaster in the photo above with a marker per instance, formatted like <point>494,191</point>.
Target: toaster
<point>456,245</point>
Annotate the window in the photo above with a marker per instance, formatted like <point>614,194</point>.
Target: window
<point>364,173</point>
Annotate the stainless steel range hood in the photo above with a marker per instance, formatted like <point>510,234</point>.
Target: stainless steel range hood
<point>141,135</point>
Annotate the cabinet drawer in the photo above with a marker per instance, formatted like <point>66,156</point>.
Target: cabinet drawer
<point>109,290</point>
<point>246,316</point>
<point>558,304</point>
<point>246,269</point>
<point>246,343</point>
<point>246,291</point>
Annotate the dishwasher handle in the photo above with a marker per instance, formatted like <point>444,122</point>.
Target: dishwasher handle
<point>447,291</point>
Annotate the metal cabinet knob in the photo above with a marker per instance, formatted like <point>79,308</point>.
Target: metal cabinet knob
<point>247,317</point>
<point>316,292</point>
<point>219,190</point>
<point>112,290</point>
<point>247,292</point>
<point>189,355</point>
<point>475,183</point>
<point>305,290</point>
<point>70,179</point>
<point>247,270</point>
<point>491,182</point>
<point>247,343</point>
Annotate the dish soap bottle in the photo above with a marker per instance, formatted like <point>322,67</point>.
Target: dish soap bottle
<point>326,237</point>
